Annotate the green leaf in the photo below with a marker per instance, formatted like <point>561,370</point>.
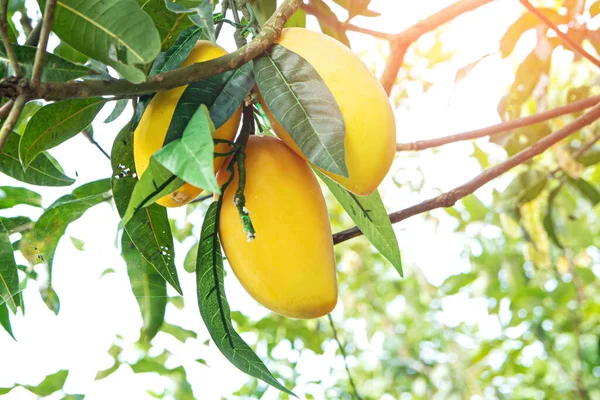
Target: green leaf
<point>548,220</point>
<point>149,229</point>
<point>237,86</point>
<point>56,69</point>
<point>12,196</point>
<point>5,322</point>
<point>50,298</point>
<point>586,189</point>
<point>191,157</point>
<point>324,9</point>
<point>120,106</point>
<point>67,52</point>
<point>179,333</point>
<point>454,283</point>
<point>177,53</point>
<point>92,188</point>
<point>298,19</point>
<point>9,278</point>
<point>524,188</point>
<point>56,123</point>
<point>42,171</point>
<point>214,307</point>
<point>304,106</point>
<point>149,288</point>
<point>201,14</point>
<point>369,214</point>
<point>264,9</point>
<point>168,24</point>
<point>77,243</point>
<point>14,222</point>
<point>50,384</point>
<point>115,32</point>
<point>189,263</point>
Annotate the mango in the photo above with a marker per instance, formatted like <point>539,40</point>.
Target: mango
<point>289,267</point>
<point>370,124</point>
<point>150,133</point>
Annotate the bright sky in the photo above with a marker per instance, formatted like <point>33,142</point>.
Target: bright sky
<point>97,310</point>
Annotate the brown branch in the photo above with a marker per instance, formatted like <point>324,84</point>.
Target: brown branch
<point>10,52</point>
<point>450,198</point>
<point>6,107</point>
<point>11,120</point>
<point>502,127</point>
<point>167,80</point>
<point>25,22</point>
<point>573,45</point>
<point>342,26</point>
<point>34,37</point>
<point>402,40</point>
<point>40,54</point>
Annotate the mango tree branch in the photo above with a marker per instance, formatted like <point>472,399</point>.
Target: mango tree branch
<point>573,45</point>
<point>502,127</point>
<point>341,26</point>
<point>401,41</point>
<point>167,80</point>
<point>10,52</point>
<point>11,120</point>
<point>448,199</point>
<point>40,54</point>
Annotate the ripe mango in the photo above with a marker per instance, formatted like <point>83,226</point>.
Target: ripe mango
<point>150,133</point>
<point>370,124</point>
<point>290,266</point>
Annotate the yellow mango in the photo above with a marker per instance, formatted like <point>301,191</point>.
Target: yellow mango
<point>290,266</point>
<point>150,133</point>
<point>370,124</point>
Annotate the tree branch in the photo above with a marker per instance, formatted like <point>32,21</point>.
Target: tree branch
<point>502,127</point>
<point>11,120</point>
<point>6,107</point>
<point>341,26</point>
<point>167,80</point>
<point>40,54</point>
<point>450,198</point>
<point>6,40</point>
<point>573,45</point>
<point>34,36</point>
<point>402,40</point>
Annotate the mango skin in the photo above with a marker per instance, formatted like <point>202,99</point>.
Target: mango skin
<point>150,133</point>
<point>370,141</point>
<point>290,266</point>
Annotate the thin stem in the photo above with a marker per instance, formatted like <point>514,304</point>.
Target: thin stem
<point>40,55</point>
<point>6,40</point>
<point>88,135</point>
<point>26,22</point>
<point>502,127</point>
<point>34,37</point>
<point>224,8</point>
<point>341,26</point>
<point>6,107</point>
<point>341,346</point>
<point>573,45</point>
<point>11,120</point>
<point>448,199</point>
<point>240,156</point>
<point>202,198</point>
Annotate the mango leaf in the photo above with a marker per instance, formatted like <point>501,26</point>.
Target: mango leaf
<point>12,196</point>
<point>9,278</point>
<point>56,123</point>
<point>56,69</point>
<point>115,32</point>
<point>149,288</point>
<point>120,106</point>
<point>67,52</point>
<point>586,189</point>
<point>149,230</point>
<point>522,189</point>
<point>14,222</point>
<point>177,53</point>
<point>214,307</point>
<point>298,19</point>
<point>189,263</point>
<point>43,170</point>
<point>369,214</point>
<point>201,14</point>
<point>168,24</point>
<point>454,283</point>
<point>548,220</point>
<point>50,384</point>
<point>53,223</point>
<point>301,102</point>
<point>50,298</point>
<point>5,322</point>
<point>237,85</point>
<point>338,35</point>
<point>263,9</point>
<point>191,157</point>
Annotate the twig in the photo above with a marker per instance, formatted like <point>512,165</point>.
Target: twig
<point>341,26</point>
<point>341,346</point>
<point>202,198</point>
<point>6,40</point>
<point>502,127</point>
<point>576,47</point>
<point>34,37</point>
<point>449,198</point>
<point>402,40</point>
<point>167,80</point>
<point>224,8</point>
<point>88,135</point>
<point>11,120</point>
<point>26,22</point>
<point>6,107</point>
<point>40,55</point>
